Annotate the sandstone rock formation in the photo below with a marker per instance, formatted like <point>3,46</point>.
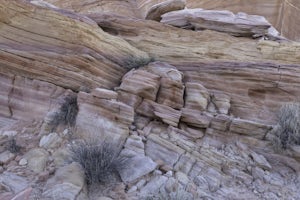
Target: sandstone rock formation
<point>240,24</point>
<point>277,12</point>
<point>190,111</point>
<point>58,45</point>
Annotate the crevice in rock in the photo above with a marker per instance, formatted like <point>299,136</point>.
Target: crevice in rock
<point>11,92</point>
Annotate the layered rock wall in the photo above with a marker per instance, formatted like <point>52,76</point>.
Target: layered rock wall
<point>282,14</point>
<point>61,47</point>
<point>197,120</point>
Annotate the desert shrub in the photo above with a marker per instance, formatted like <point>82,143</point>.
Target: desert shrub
<point>12,146</point>
<point>66,114</point>
<point>100,161</point>
<point>287,131</point>
<point>179,194</point>
<point>69,110</point>
<point>133,62</point>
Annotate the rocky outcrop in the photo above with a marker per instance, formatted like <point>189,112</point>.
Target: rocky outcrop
<point>240,24</point>
<point>103,118</point>
<point>125,8</point>
<point>195,122</point>
<point>189,46</point>
<point>17,96</point>
<point>61,47</point>
<point>277,13</point>
<point>252,95</point>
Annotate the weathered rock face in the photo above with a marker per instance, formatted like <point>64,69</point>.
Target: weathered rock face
<point>188,46</point>
<point>197,120</point>
<point>21,96</point>
<point>281,13</point>
<point>252,95</point>
<point>81,54</point>
<point>240,24</point>
<point>102,118</point>
<point>126,8</point>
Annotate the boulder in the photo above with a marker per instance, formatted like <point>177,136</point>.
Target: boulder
<point>13,182</point>
<point>137,167</point>
<point>50,141</point>
<point>67,183</point>
<point>37,159</point>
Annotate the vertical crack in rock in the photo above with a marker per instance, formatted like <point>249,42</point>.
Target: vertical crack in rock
<point>9,99</point>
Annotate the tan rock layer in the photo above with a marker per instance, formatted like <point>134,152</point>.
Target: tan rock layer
<point>282,14</point>
<point>175,45</point>
<point>240,24</point>
<point>257,90</point>
<point>126,8</point>
<point>60,47</point>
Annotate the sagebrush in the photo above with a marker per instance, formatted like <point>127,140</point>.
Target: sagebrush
<point>287,131</point>
<point>100,161</point>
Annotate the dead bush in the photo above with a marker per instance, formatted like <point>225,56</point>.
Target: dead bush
<point>100,161</point>
<point>66,114</point>
<point>12,146</point>
<point>287,131</point>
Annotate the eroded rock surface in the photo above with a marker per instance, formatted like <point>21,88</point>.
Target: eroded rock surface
<point>195,121</point>
<point>60,46</point>
<point>240,24</point>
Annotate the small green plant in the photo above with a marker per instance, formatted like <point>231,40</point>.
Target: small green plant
<point>100,161</point>
<point>133,62</point>
<point>287,131</point>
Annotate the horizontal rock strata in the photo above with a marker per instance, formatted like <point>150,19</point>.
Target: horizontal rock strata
<point>240,24</point>
<point>60,47</point>
<point>188,46</point>
<point>195,121</point>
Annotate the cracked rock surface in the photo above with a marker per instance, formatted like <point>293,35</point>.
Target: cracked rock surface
<point>190,111</point>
